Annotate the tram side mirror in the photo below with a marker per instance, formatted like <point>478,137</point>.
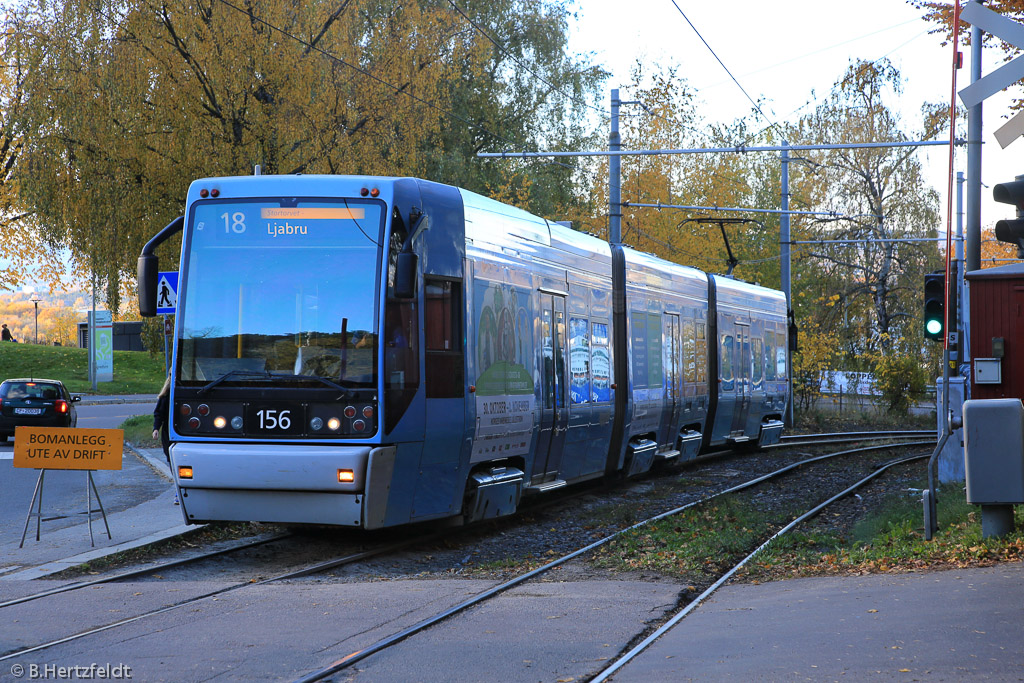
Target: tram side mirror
<point>148,272</point>
<point>405,275</point>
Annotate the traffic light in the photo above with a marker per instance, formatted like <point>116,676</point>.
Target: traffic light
<point>1011,231</point>
<point>934,305</point>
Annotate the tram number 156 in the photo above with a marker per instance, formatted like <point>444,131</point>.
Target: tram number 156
<point>275,419</point>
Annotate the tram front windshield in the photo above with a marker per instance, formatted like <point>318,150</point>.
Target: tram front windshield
<point>279,291</point>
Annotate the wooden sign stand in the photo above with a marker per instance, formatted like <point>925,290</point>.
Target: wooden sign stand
<point>37,495</point>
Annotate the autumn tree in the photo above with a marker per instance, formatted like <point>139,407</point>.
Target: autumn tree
<point>663,114</point>
<point>127,101</point>
<point>872,285</point>
<point>23,253</point>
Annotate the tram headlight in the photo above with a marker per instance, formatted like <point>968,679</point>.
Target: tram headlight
<point>316,424</point>
<point>236,422</point>
<point>219,422</point>
<point>346,476</point>
<point>334,424</point>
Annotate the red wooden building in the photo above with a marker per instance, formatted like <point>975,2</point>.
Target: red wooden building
<point>997,332</point>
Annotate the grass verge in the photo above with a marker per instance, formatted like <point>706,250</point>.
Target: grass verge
<point>892,540</point>
<point>704,541</point>
<point>135,372</point>
<point>697,543</point>
<point>138,431</point>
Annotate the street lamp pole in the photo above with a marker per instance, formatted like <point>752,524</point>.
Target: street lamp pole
<point>36,302</point>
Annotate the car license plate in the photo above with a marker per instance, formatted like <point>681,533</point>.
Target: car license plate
<point>28,411</point>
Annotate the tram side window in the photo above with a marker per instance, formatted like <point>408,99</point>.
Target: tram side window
<point>601,366</point>
<point>579,360</point>
<point>401,361</point>
<point>780,356</point>
<point>757,360</point>
<point>727,357</point>
<point>689,352</point>
<point>548,343</point>
<point>702,354</point>
<point>638,336</point>
<point>443,339</point>
<point>769,356</point>
<point>654,364</point>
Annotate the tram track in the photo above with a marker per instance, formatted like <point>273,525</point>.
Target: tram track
<point>293,574</point>
<point>349,559</point>
<point>608,672</point>
<point>151,569</point>
<point>399,636</point>
<point>145,571</point>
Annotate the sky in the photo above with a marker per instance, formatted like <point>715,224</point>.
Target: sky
<point>791,53</point>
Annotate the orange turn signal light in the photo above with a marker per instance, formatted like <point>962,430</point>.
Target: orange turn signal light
<point>346,476</point>
<point>184,472</point>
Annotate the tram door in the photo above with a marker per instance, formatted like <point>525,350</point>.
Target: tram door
<point>555,410</point>
<point>671,363</point>
<point>743,385</point>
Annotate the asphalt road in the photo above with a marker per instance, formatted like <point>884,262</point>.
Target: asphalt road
<point>64,492</point>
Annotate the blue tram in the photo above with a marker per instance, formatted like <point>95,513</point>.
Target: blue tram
<point>371,352</point>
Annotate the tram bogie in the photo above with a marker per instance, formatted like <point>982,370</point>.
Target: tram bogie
<point>372,352</point>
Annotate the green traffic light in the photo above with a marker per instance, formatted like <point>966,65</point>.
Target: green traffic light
<point>933,326</point>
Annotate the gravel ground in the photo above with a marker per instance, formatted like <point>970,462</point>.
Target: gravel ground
<point>539,534</point>
<point>552,526</point>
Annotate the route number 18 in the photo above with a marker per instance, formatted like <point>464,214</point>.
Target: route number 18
<point>234,222</point>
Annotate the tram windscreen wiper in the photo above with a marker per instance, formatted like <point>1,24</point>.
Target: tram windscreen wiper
<point>263,374</point>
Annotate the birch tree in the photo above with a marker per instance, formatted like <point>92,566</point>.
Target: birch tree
<point>872,284</point>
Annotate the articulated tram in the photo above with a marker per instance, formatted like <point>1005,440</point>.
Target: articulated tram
<point>371,352</point>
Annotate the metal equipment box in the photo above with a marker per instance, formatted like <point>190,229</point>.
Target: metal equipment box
<point>996,327</point>
<point>994,447</point>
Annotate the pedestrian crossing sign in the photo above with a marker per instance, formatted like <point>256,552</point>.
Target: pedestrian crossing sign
<point>167,293</point>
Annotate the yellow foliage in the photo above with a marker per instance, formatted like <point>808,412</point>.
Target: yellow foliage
<point>131,101</point>
<point>818,354</point>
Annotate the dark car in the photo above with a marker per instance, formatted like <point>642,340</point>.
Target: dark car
<point>35,403</point>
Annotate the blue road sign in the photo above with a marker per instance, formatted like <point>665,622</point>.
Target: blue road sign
<point>167,292</point>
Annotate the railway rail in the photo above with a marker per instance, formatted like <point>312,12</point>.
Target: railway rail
<point>404,634</point>
<point>383,549</point>
<point>356,557</point>
<point>788,441</point>
<point>608,672</point>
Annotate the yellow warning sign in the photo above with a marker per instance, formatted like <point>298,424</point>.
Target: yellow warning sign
<point>62,448</point>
